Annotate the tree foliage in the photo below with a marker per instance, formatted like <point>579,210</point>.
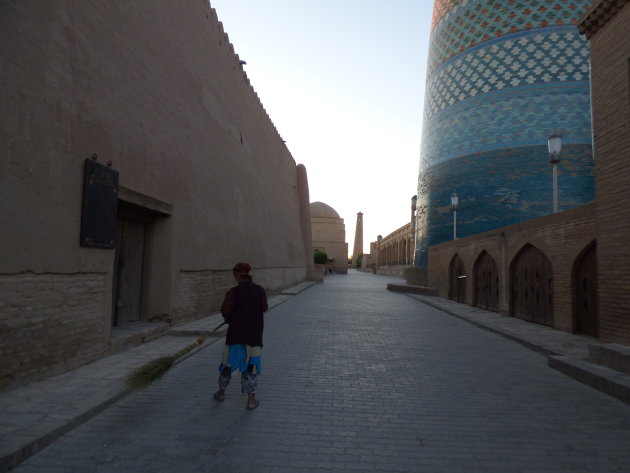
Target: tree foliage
<point>319,257</point>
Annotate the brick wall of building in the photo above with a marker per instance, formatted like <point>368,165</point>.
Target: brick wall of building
<point>610,62</point>
<point>395,251</point>
<point>48,319</point>
<point>201,293</point>
<point>561,237</point>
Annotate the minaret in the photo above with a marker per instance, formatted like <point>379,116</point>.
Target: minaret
<point>358,240</point>
<point>496,59</point>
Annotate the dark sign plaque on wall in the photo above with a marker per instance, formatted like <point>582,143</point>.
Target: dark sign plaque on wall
<point>100,203</point>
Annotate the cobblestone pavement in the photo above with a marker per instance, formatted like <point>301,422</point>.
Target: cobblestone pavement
<point>356,378</point>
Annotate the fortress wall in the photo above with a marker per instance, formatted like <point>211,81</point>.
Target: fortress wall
<point>157,89</point>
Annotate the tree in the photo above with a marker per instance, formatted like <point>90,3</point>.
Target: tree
<point>359,260</point>
<point>319,257</point>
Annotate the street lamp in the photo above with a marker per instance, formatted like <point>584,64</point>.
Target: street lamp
<point>554,143</point>
<point>454,202</point>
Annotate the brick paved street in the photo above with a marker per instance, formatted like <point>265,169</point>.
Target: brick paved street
<point>357,378</point>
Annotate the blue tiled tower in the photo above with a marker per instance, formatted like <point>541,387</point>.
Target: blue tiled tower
<point>502,76</point>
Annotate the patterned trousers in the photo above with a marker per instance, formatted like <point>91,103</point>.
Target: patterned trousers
<point>249,380</point>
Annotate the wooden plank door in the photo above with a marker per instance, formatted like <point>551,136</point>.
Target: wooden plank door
<point>457,286</point>
<point>487,284</point>
<point>128,272</point>
<point>532,287</point>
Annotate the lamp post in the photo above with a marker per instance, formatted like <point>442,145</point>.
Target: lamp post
<point>554,142</point>
<point>454,202</point>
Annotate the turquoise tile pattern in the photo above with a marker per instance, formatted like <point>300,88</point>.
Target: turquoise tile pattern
<point>528,58</point>
<point>506,187</point>
<point>511,118</point>
<point>502,76</point>
<point>459,25</point>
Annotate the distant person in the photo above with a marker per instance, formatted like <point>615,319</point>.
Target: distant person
<point>243,309</point>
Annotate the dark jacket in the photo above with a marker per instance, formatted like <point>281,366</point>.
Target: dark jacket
<point>243,309</point>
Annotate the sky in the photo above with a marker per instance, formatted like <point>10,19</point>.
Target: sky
<point>343,82</point>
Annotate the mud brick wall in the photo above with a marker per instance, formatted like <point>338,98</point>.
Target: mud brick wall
<point>50,322</point>
<point>201,293</point>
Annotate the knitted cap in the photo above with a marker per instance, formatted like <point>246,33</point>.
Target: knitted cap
<point>242,269</point>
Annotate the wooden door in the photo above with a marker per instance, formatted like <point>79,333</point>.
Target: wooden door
<point>532,287</point>
<point>586,303</point>
<point>457,286</point>
<point>486,283</point>
<point>128,271</point>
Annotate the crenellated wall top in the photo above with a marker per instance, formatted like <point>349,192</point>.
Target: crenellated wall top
<point>224,40</point>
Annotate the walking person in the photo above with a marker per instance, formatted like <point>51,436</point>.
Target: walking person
<point>243,309</point>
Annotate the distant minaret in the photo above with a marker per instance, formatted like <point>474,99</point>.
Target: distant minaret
<point>358,240</point>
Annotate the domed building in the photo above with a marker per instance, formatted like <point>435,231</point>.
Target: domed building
<point>502,76</point>
<point>329,236</point>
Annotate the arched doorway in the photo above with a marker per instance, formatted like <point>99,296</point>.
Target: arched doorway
<point>532,287</point>
<point>486,283</point>
<point>457,286</point>
<point>585,286</point>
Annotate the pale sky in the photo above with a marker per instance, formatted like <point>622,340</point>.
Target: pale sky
<point>343,82</point>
